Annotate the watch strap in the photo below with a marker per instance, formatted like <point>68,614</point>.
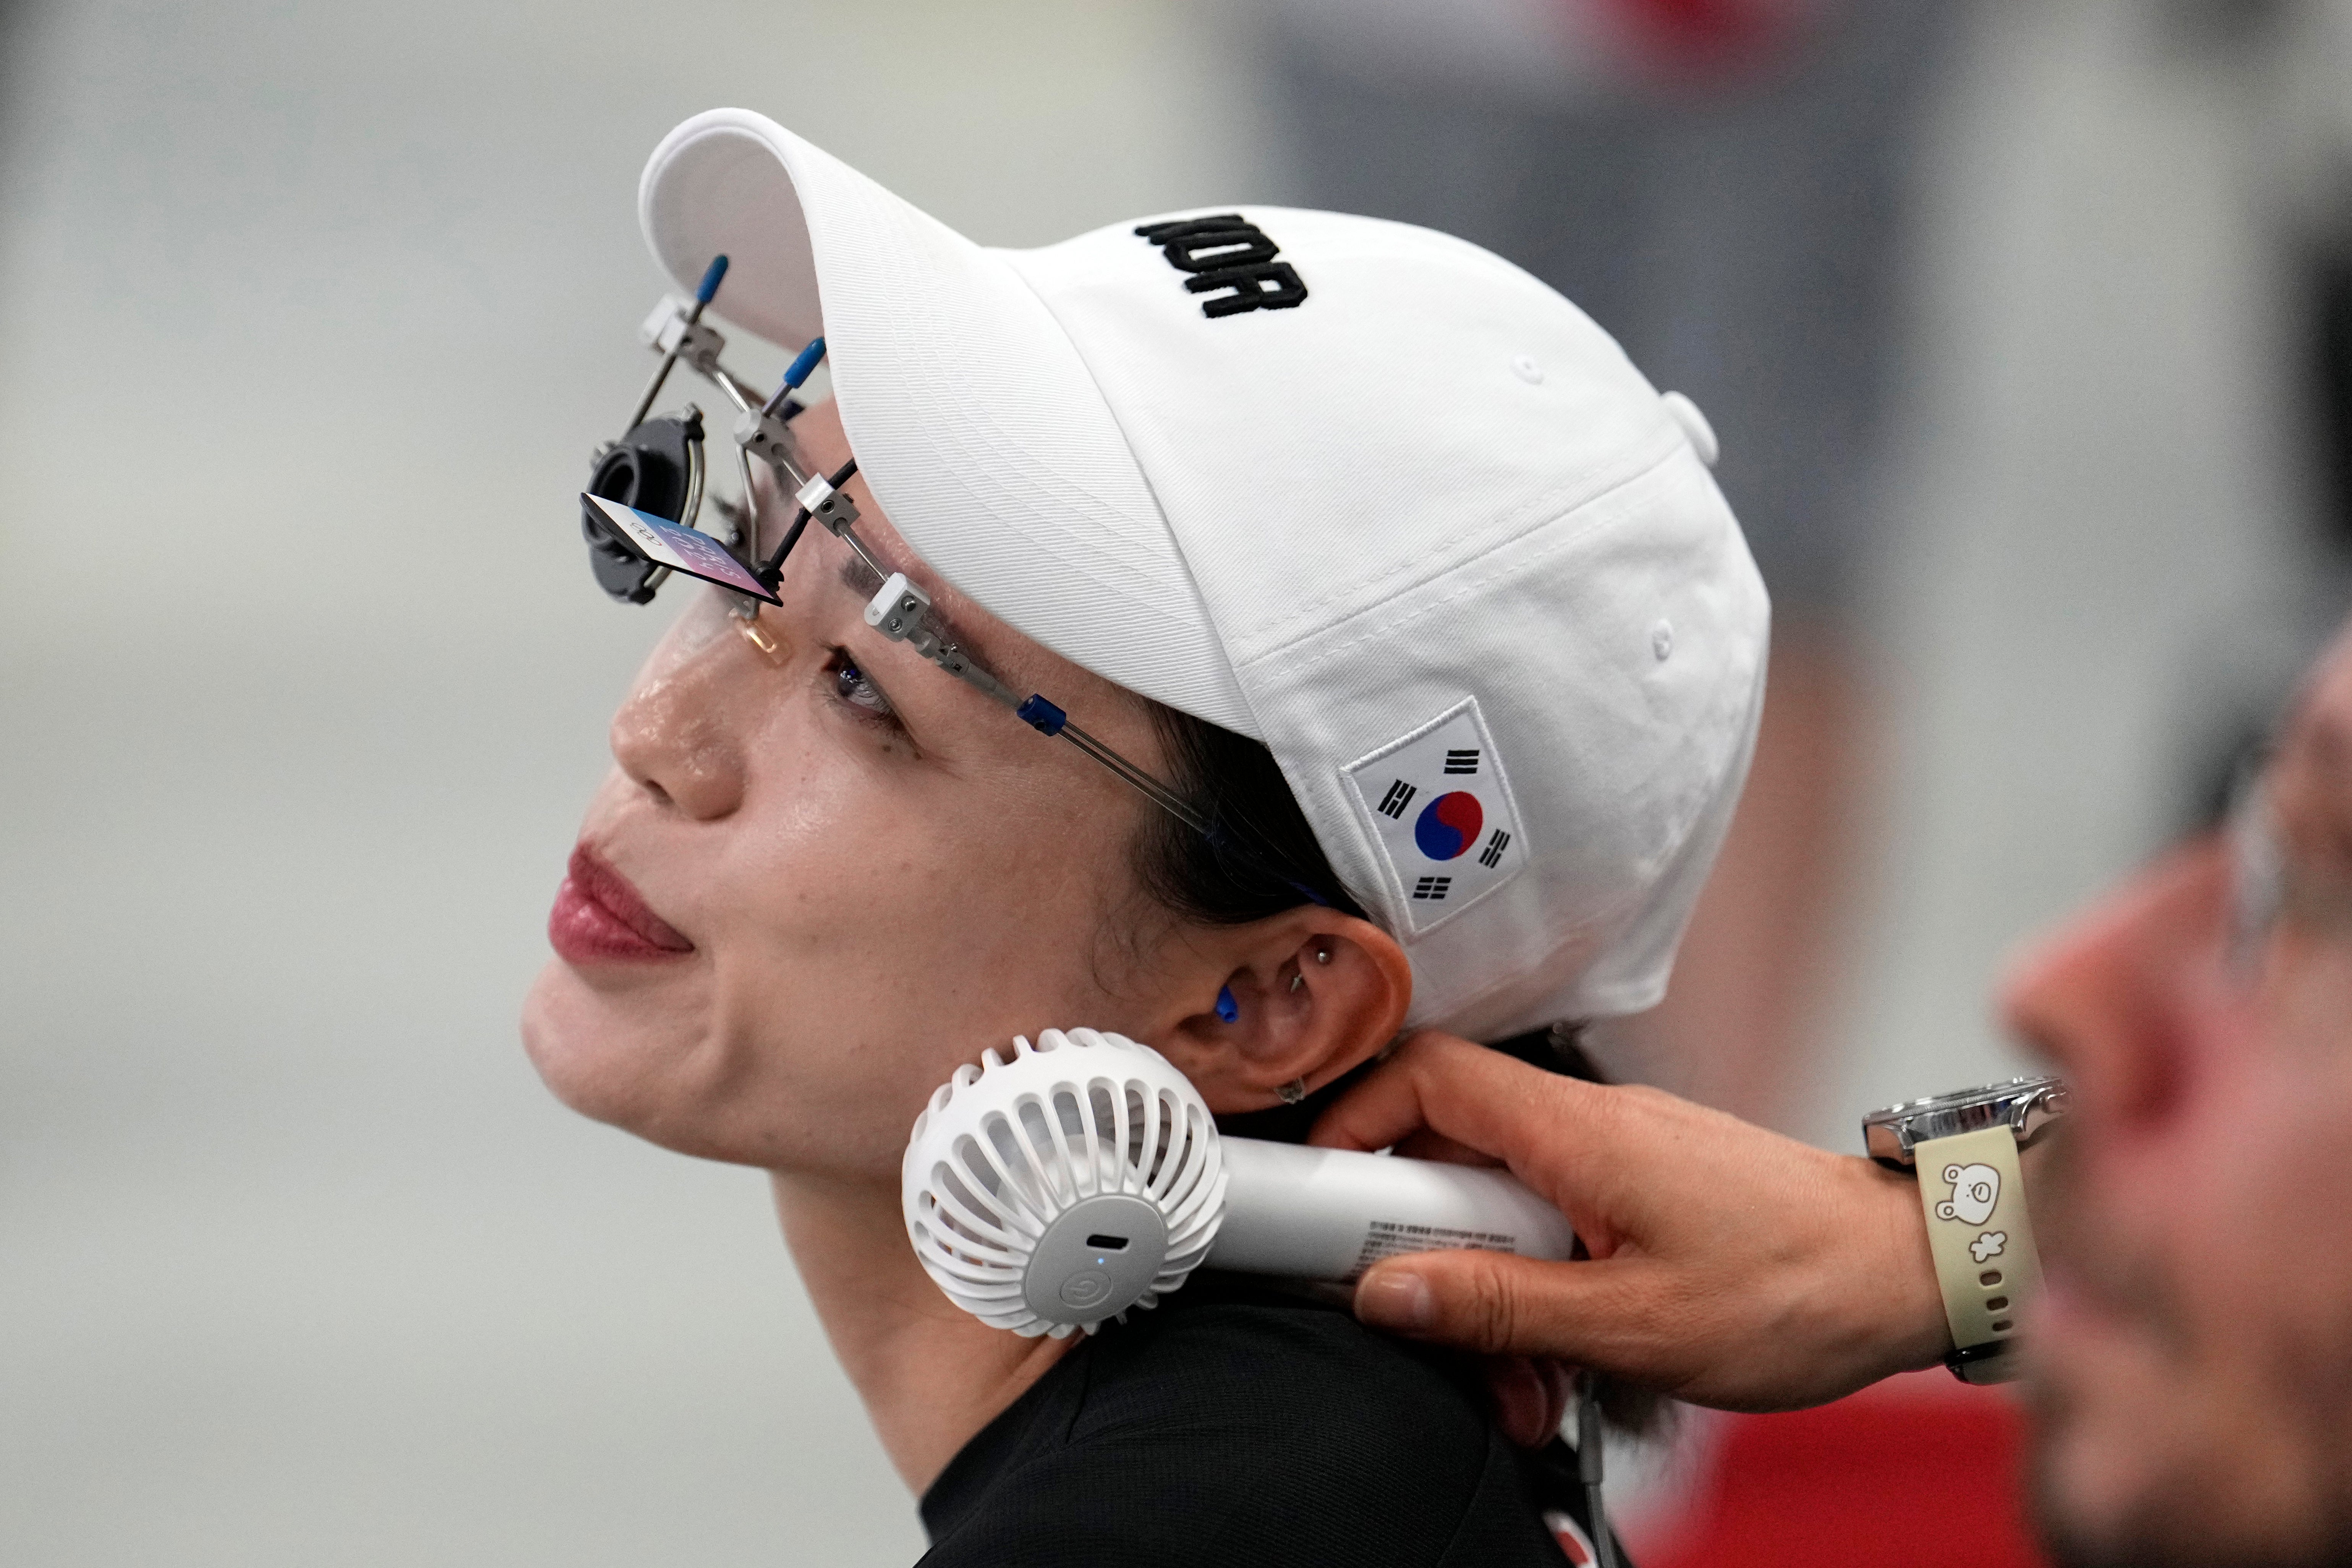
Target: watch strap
<point>1981,1237</point>
<point>1986,1363</point>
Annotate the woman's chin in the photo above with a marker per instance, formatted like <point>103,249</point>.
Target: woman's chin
<point>600,1054</point>
<point>646,1060</point>
<point>666,1052</point>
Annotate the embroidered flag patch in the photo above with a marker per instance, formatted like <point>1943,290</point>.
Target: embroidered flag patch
<point>1439,808</point>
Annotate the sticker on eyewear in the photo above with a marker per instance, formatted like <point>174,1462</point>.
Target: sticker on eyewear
<point>664,543</point>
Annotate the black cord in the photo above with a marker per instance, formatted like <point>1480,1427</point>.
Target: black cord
<point>771,572</point>
<point>1589,1445</point>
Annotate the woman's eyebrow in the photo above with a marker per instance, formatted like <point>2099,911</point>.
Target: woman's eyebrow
<point>859,577</point>
<point>865,582</point>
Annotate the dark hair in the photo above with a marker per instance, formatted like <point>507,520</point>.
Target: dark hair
<point>1260,857</point>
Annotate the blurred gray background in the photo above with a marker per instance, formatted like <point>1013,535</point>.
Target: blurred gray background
<point>310,314</point>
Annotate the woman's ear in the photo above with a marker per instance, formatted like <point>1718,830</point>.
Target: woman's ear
<point>1313,992</point>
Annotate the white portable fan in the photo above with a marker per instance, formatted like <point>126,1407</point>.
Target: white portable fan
<point>1083,1176</point>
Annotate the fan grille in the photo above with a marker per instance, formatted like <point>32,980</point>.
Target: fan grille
<point>1006,1149</point>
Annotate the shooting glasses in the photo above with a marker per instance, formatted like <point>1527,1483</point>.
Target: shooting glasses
<point>645,492</point>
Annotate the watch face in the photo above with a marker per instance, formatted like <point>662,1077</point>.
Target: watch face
<point>2024,1105</point>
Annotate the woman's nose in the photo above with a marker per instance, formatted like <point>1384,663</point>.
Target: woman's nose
<point>673,738</point>
<point>2122,996</point>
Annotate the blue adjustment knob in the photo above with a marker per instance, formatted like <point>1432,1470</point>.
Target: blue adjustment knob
<point>1041,716</point>
<point>806,363</point>
<point>717,269</point>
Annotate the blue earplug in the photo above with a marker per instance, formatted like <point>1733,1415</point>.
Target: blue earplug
<point>1227,1008</point>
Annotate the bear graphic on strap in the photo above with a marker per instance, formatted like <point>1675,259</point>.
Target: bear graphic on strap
<point>1975,1189</point>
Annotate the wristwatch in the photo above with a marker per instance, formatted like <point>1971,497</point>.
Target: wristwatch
<point>1963,1148</point>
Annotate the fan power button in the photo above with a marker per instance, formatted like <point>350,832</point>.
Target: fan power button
<point>1086,1290</point>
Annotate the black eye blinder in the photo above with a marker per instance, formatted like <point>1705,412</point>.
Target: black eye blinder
<point>648,469</point>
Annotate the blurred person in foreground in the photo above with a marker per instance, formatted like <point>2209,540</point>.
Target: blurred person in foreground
<point>1725,185</point>
<point>2188,1368</point>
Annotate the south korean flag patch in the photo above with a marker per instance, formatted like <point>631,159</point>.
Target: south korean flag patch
<point>1437,804</point>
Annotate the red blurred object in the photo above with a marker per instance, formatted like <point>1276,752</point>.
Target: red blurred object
<point>1918,1472</point>
<point>1707,37</point>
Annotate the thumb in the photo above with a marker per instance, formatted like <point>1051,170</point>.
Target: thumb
<point>1496,1302</point>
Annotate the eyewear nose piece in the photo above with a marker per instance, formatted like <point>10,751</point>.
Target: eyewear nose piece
<point>760,630</point>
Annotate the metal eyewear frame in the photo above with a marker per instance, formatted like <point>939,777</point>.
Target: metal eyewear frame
<point>658,467</point>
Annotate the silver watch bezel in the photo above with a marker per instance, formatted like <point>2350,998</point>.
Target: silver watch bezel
<point>2026,1106</point>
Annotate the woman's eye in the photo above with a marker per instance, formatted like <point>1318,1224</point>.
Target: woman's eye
<point>850,684</point>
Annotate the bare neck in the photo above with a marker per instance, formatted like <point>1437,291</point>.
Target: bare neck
<point>930,1374</point>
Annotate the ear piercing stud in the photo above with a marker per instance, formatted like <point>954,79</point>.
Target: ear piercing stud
<point>1294,1091</point>
<point>1228,1009</point>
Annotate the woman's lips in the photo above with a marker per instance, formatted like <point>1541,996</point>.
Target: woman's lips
<point>599,917</point>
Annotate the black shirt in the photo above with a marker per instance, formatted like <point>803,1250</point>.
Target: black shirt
<point>1232,1424</point>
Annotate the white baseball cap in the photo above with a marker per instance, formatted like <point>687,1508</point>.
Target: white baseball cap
<point>1361,491</point>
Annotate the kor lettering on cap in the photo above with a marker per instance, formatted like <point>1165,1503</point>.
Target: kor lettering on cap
<point>1231,260</point>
